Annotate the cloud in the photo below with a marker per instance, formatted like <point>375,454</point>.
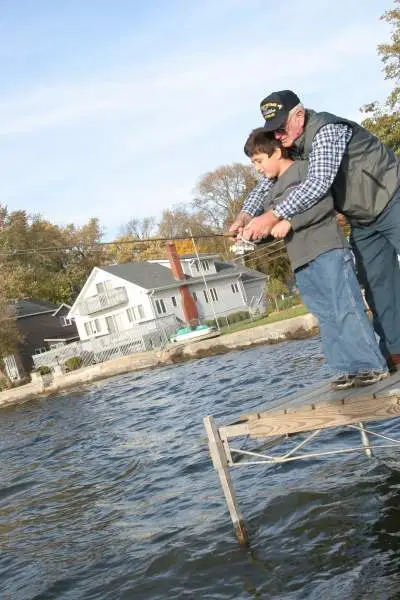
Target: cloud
<point>137,137</point>
<point>190,84</point>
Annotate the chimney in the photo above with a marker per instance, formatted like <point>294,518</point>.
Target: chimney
<point>188,304</point>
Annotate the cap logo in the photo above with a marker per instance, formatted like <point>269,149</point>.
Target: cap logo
<point>269,110</point>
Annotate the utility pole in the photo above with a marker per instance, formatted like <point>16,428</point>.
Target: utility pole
<point>204,278</point>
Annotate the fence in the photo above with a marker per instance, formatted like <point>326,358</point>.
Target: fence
<point>146,336</point>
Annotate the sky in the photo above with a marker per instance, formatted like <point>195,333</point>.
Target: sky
<point>116,109</point>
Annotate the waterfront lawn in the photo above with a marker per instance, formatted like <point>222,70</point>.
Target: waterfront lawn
<point>281,315</point>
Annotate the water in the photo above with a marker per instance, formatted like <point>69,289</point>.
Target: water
<point>110,494</point>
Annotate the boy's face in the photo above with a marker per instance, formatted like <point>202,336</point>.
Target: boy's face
<point>267,165</point>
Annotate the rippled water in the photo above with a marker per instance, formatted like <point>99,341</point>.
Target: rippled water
<point>110,494</point>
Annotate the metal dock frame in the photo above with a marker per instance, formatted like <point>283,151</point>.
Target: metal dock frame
<point>277,426</point>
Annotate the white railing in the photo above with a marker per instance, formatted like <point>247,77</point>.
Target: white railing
<point>146,336</point>
<point>105,300</point>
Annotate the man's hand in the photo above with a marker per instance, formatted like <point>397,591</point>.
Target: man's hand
<point>236,229</point>
<point>341,220</point>
<point>281,229</point>
<point>260,227</point>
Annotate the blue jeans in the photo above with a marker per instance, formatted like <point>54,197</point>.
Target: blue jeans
<point>376,247</point>
<point>330,290</point>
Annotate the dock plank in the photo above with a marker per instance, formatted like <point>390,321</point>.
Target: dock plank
<point>322,415</point>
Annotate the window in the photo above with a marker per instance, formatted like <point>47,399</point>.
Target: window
<point>40,350</point>
<point>160,306</point>
<point>54,345</point>
<point>92,327</point>
<point>65,322</point>
<point>235,288</point>
<point>135,313</point>
<point>112,325</point>
<point>103,286</point>
<point>173,300</point>
<point>194,296</point>
<point>205,295</point>
<point>213,293</point>
<point>202,265</point>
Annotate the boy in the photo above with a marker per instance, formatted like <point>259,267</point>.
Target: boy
<point>323,267</point>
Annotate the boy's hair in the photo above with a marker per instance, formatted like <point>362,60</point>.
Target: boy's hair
<point>260,140</point>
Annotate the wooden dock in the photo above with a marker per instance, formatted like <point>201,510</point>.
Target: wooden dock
<point>299,419</point>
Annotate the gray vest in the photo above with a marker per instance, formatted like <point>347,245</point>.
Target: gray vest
<point>315,230</point>
<point>369,174</point>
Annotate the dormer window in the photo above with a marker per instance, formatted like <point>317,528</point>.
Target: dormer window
<point>202,265</point>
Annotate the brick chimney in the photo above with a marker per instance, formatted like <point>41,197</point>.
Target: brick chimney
<point>188,304</point>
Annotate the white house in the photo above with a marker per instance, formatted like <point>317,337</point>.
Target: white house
<point>115,299</point>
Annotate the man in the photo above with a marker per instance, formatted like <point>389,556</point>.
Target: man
<point>365,179</point>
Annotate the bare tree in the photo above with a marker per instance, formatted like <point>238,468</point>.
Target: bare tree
<point>176,222</point>
<point>140,229</point>
<point>221,193</point>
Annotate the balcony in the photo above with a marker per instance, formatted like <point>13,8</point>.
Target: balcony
<point>104,301</point>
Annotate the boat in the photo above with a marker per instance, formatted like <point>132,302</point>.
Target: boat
<point>191,334</point>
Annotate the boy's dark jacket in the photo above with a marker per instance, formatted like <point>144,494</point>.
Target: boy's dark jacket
<point>314,231</point>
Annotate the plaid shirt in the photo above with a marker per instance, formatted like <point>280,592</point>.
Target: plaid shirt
<point>327,151</point>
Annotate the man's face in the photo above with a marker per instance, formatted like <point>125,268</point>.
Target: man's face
<point>291,130</point>
<point>269,166</point>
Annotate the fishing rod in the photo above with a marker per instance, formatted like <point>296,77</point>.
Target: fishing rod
<point>51,249</point>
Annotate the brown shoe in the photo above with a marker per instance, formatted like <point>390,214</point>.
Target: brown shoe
<point>393,363</point>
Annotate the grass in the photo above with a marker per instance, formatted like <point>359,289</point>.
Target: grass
<point>294,311</point>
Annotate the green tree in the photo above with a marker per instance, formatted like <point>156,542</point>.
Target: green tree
<point>275,289</point>
<point>10,337</point>
<point>271,259</point>
<point>383,119</point>
<point>41,260</point>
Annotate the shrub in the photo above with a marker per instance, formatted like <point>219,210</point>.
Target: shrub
<point>73,363</point>
<point>43,370</point>
<point>4,383</point>
<point>288,302</point>
<point>241,315</point>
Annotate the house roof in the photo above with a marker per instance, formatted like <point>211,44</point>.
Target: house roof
<point>153,275</point>
<point>61,307</point>
<point>26,308</point>
<point>144,274</point>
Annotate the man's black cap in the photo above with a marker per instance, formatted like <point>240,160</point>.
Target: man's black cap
<point>276,107</point>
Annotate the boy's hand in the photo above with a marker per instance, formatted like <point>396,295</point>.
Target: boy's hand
<point>281,229</point>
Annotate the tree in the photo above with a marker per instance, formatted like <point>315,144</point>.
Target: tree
<point>275,289</point>
<point>140,229</point>
<point>271,259</point>
<point>9,334</point>
<point>41,260</point>
<point>179,221</point>
<point>128,249</point>
<point>221,193</point>
<point>383,119</point>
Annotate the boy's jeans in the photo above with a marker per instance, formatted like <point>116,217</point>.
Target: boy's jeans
<point>329,288</point>
<point>376,247</point>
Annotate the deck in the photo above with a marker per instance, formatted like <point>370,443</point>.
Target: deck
<point>299,419</point>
